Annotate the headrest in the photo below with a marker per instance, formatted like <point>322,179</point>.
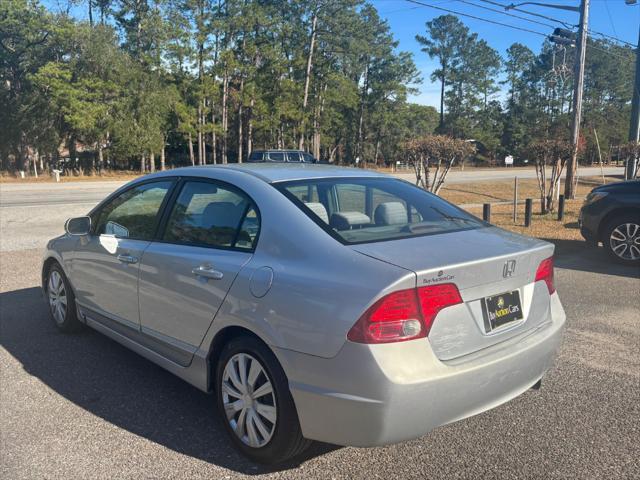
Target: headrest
<point>390,213</point>
<point>319,209</point>
<point>348,220</point>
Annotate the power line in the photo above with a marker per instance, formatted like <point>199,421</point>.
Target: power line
<point>611,37</point>
<point>593,47</point>
<point>502,12</point>
<point>534,14</point>
<point>613,26</point>
<point>522,29</point>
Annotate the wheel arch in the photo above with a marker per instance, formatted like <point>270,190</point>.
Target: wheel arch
<point>617,212</point>
<point>46,266</point>
<point>224,336</point>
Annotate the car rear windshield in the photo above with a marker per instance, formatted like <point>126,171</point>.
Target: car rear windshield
<point>362,210</point>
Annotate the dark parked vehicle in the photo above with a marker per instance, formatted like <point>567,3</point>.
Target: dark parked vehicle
<point>611,215</point>
<point>293,156</point>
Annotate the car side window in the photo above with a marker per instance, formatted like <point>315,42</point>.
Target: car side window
<point>255,156</point>
<point>133,213</point>
<point>276,156</point>
<point>305,193</point>
<point>207,214</point>
<point>307,158</point>
<point>293,157</point>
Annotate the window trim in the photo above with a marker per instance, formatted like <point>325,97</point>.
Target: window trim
<point>98,209</point>
<point>281,185</point>
<point>162,226</point>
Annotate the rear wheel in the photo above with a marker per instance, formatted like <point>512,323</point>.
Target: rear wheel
<point>62,302</point>
<point>255,403</point>
<point>621,239</point>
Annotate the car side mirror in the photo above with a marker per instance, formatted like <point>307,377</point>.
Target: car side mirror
<point>78,226</point>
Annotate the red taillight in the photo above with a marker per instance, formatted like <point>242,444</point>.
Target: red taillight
<point>435,298</point>
<point>545,272</point>
<point>403,315</point>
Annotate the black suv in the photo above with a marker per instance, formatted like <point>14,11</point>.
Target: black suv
<point>293,156</point>
<point>611,215</point>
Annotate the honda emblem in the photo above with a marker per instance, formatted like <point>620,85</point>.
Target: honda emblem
<point>509,268</point>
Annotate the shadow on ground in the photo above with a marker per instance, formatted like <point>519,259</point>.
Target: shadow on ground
<point>578,255</point>
<point>121,387</point>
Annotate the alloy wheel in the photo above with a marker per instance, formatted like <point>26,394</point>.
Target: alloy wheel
<point>249,400</point>
<point>57,296</point>
<point>625,241</point>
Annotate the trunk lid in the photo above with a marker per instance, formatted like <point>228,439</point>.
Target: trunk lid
<point>482,263</point>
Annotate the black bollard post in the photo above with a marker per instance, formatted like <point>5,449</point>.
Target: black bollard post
<point>561,207</point>
<point>486,212</point>
<point>528,208</point>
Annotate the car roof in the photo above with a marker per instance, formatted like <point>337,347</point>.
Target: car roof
<point>278,150</point>
<point>279,172</point>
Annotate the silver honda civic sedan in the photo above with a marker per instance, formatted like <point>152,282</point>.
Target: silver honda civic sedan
<point>313,302</point>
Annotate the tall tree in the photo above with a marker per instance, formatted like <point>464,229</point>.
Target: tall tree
<point>445,35</point>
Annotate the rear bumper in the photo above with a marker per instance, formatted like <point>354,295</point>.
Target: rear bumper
<point>376,395</point>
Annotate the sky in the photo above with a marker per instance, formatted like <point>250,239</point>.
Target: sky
<point>611,17</point>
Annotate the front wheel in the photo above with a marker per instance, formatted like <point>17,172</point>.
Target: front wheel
<point>621,239</point>
<point>255,403</point>
<point>62,303</point>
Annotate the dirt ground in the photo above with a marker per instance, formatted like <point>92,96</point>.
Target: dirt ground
<point>502,190</point>
<point>542,226</point>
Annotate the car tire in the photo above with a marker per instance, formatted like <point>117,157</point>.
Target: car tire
<point>621,238</point>
<point>61,300</point>
<point>267,426</point>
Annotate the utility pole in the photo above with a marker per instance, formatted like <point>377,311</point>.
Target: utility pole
<point>569,190</point>
<point>563,36</point>
<point>634,127</point>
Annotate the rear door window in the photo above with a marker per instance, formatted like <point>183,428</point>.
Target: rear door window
<point>212,215</point>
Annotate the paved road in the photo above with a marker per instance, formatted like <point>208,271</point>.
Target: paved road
<point>23,212</point>
<point>82,407</point>
<point>90,193</point>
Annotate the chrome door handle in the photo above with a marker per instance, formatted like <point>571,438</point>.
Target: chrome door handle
<point>127,258</point>
<point>207,271</point>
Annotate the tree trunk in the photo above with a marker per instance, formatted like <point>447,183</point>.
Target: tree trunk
<point>152,162</point>
<point>90,3</point>
<point>317,124</point>
<point>191,156</point>
<point>250,127</point>
<point>442,85</point>
<point>240,109</point>
<point>199,132</point>
<point>201,118</point>
<point>142,164</point>
<point>307,79</point>
<point>162,159</point>
<point>365,87</point>
<point>213,134</point>
<point>100,158</point>
<point>35,164</point>
<point>225,95</point>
